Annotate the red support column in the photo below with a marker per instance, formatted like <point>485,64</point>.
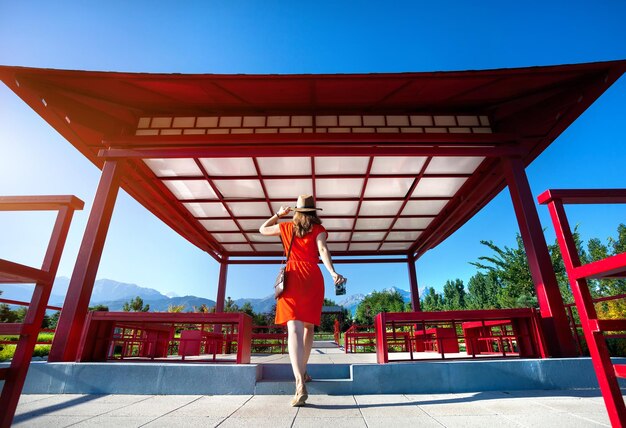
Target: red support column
<point>221,286</point>
<point>75,307</point>
<point>415,296</point>
<point>221,291</point>
<point>554,319</point>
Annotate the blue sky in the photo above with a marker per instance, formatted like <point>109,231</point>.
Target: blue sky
<point>281,37</point>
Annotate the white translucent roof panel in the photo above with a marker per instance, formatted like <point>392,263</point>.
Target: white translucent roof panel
<point>338,236</point>
<point>240,188</point>
<point>268,247</point>
<point>445,187</point>
<point>412,223</point>
<point>338,223</point>
<point>289,189</point>
<point>453,165</point>
<point>249,209</point>
<point>257,237</point>
<point>423,207</point>
<point>285,166</point>
<point>190,189</point>
<point>221,225</point>
<point>397,165</point>
<point>330,208</point>
<point>388,187</point>
<point>395,246</point>
<point>276,205</point>
<point>368,236</point>
<point>341,165</point>
<point>237,247</point>
<point>373,223</point>
<point>403,236</point>
<point>174,167</point>
<point>252,225</point>
<point>229,166</point>
<point>337,247</point>
<point>206,209</point>
<point>229,237</point>
<point>338,187</point>
<point>358,246</point>
<point>380,207</point>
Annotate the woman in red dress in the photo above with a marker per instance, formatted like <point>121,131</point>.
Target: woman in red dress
<point>300,305</point>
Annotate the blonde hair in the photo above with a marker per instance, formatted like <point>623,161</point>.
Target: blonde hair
<point>303,222</point>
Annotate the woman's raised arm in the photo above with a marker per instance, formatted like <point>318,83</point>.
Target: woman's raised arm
<point>270,228</point>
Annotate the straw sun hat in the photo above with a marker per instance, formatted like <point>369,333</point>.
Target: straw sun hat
<point>305,203</point>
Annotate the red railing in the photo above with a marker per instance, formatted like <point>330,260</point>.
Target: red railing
<point>43,278</point>
<point>502,332</point>
<point>364,337</point>
<point>4,341</point>
<point>578,274</point>
<point>269,338</point>
<point>153,335</point>
<point>577,327</point>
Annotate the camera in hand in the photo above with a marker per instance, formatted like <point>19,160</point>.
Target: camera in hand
<point>340,287</point>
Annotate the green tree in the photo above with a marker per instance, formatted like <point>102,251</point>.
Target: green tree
<point>54,320</point>
<point>378,302</point>
<point>510,267</point>
<point>247,309</point>
<point>454,295</point>
<point>135,305</point>
<point>230,305</point>
<point>103,308</point>
<point>431,300</point>
<point>483,291</point>
<point>175,309</point>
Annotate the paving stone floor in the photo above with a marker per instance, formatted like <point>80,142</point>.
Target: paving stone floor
<point>571,409</point>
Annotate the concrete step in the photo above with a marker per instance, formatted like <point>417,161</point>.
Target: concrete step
<point>283,372</point>
<point>321,386</point>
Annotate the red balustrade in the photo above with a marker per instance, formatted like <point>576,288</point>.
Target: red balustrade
<point>611,267</point>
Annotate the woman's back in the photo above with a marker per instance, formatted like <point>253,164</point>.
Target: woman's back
<point>304,248</point>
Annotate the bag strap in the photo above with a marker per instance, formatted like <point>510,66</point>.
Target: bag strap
<point>293,235</point>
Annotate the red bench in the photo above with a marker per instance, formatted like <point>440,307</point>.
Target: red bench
<point>99,336</point>
<point>493,337</point>
<point>437,339</point>
<point>526,321</point>
<point>355,339</point>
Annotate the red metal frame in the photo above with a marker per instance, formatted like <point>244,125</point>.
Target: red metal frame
<point>363,336</point>
<point>575,327</point>
<point>615,266</point>
<point>415,297</point>
<point>99,334</point>
<point>10,272</point>
<point>431,330</point>
<point>268,338</point>
<point>554,318</point>
<point>75,307</point>
<point>526,108</point>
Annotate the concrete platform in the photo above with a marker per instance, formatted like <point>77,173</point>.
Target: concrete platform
<point>272,375</point>
<point>524,408</point>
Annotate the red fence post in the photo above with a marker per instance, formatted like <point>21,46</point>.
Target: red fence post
<point>555,325</point>
<point>75,307</point>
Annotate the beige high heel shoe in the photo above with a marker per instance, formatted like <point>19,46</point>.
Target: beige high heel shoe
<point>301,396</point>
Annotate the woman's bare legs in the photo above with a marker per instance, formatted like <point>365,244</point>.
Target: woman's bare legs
<point>309,330</point>
<point>295,344</point>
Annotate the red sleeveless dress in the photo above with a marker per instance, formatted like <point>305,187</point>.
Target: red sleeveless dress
<point>303,297</point>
